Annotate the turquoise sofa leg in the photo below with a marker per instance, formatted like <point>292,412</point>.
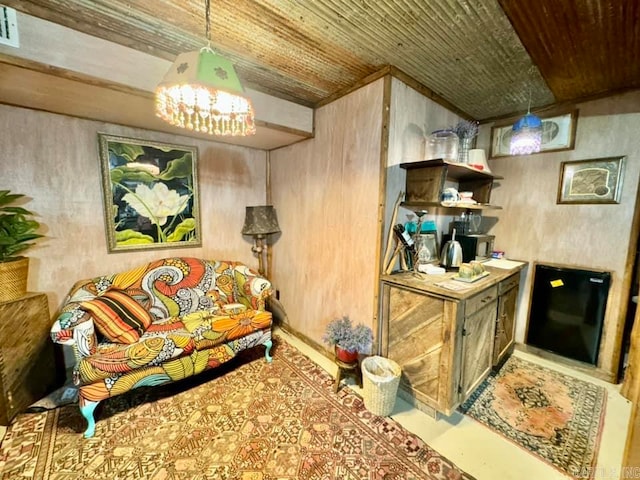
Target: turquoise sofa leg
<point>87,412</point>
<point>268,344</point>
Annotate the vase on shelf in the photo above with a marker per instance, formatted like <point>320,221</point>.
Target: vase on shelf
<point>465,144</point>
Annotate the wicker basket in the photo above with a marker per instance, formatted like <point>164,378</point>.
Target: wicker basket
<point>380,377</point>
<point>13,279</point>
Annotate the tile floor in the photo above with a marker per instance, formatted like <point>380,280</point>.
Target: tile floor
<point>485,454</point>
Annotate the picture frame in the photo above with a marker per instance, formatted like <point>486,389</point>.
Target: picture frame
<point>591,181</point>
<point>150,194</point>
<point>558,133</point>
<point>428,238</point>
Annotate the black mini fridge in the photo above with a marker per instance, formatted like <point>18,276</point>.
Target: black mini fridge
<point>567,311</point>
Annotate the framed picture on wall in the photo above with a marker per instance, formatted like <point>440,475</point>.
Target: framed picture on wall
<point>150,194</point>
<point>558,133</point>
<point>591,181</point>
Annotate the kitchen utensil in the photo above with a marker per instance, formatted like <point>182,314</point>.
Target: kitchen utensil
<point>451,255</point>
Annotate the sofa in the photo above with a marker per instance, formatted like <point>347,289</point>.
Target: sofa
<point>158,323</point>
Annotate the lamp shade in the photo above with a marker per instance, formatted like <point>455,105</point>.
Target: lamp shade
<point>202,92</point>
<point>478,159</point>
<point>260,220</point>
<point>527,135</point>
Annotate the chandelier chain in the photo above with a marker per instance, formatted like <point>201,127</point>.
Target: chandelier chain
<point>207,6</point>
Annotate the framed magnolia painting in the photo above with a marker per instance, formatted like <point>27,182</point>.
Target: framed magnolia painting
<point>150,194</point>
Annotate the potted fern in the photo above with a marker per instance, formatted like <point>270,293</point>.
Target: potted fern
<point>349,340</point>
<point>17,230</point>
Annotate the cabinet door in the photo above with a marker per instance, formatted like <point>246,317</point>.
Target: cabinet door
<point>505,324</point>
<point>417,333</point>
<point>477,348</point>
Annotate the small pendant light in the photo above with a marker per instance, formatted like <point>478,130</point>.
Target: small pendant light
<point>527,134</point>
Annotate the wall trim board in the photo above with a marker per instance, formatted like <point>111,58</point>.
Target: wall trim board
<point>627,280</point>
<point>631,391</point>
<point>356,86</point>
<point>382,189</point>
<point>70,75</point>
<point>405,78</point>
<point>308,341</point>
<point>631,457</point>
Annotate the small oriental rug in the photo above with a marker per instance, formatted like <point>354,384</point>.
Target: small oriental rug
<point>555,416</point>
<point>248,420</point>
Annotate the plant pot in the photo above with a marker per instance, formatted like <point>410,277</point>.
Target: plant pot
<point>13,279</point>
<point>346,356</point>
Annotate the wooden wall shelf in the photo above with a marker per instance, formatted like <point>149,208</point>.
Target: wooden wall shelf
<point>426,181</point>
<point>460,206</point>
<point>457,171</point>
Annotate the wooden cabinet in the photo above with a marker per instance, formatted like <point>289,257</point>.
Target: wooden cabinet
<point>27,361</point>
<point>444,346</point>
<point>445,341</point>
<point>426,180</point>
<point>506,318</point>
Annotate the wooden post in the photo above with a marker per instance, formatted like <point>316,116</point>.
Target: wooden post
<point>631,390</point>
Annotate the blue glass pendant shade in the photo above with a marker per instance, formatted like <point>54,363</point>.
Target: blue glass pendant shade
<point>528,121</point>
<point>527,135</point>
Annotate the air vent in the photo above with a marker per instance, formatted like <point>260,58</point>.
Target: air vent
<point>8,27</point>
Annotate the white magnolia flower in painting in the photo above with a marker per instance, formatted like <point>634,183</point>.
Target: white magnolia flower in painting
<point>157,203</point>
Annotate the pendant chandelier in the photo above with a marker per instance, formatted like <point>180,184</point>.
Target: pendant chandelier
<point>202,92</point>
<point>526,135</point>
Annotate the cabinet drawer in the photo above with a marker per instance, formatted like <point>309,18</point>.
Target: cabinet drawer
<point>508,283</point>
<point>480,300</point>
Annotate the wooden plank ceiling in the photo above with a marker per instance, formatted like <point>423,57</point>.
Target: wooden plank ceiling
<point>483,56</point>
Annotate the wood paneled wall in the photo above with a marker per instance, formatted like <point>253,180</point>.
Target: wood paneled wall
<point>326,193</point>
<point>53,159</point>
<point>534,228</point>
<point>413,118</point>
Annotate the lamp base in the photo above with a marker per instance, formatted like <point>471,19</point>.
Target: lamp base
<point>259,248</point>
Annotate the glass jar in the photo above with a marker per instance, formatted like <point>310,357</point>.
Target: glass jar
<point>442,144</point>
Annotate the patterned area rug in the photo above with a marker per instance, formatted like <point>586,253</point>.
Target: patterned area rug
<point>555,416</point>
<point>250,420</point>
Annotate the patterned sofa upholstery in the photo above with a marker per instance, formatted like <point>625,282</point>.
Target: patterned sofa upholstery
<point>161,322</point>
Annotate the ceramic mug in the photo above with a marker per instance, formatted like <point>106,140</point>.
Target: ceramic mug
<point>450,195</point>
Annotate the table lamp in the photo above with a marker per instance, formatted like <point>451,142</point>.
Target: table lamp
<point>259,222</point>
